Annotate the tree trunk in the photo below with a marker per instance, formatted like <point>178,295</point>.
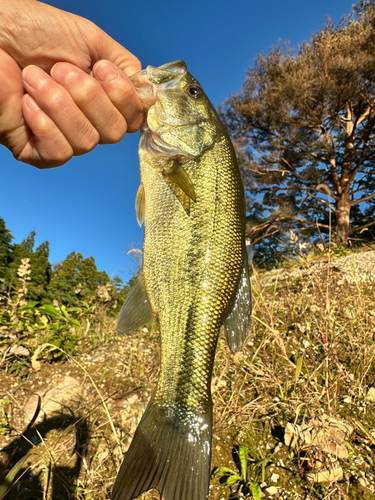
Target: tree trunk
<point>342,213</point>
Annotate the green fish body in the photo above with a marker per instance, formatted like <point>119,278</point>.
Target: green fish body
<point>194,279</point>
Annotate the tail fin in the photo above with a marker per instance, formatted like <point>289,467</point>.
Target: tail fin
<point>171,452</point>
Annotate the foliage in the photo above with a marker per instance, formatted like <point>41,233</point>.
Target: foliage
<point>303,127</point>
<point>244,485</point>
<point>8,481</point>
<point>310,353</point>
<point>40,303</point>
<point>67,282</point>
<point>5,247</point>
<point>4,416</point>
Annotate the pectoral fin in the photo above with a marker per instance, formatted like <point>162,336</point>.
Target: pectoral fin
<point>237,323</point>
<point>136,310</point>
<point>179,176</point>
<point>179,194</point>
<point>140,206</point>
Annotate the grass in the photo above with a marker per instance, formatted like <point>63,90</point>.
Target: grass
<point>309,358</point>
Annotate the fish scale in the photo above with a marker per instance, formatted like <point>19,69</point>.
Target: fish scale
<point>194,278</point>
<point>221,232</point>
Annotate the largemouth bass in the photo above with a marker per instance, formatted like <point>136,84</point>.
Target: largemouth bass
<point>194,279</point>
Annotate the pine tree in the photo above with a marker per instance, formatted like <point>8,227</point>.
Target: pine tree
<point>67,281</point>
<point>5,247</point>
<point>40,272</point>
<point>75,275</point>
<point>304,128</point>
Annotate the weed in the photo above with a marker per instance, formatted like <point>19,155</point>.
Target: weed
<point>244,484</point>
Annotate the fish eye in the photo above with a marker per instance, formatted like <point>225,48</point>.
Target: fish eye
<point>194,91</point>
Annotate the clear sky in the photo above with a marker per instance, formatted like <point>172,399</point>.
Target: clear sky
<point>87,205</point>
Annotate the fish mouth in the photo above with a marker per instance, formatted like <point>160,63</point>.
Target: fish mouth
<point>151,80</point>
<point>148,83</point>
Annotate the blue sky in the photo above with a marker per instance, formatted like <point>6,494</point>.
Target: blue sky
<point>87,205</point>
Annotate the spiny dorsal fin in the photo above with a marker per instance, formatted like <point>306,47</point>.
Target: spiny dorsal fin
<point>136,310</point>
<point>237,323</point>
<point>140,206</point>
<point>179,176</point>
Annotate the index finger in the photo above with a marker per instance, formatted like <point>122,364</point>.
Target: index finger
<point>121,92</point>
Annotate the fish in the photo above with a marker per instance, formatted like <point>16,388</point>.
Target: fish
<point>194,279</point>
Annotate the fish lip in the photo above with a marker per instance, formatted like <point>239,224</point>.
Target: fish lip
<point>148,90</point>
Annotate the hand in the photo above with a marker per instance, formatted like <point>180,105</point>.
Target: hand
<point>63,84</point>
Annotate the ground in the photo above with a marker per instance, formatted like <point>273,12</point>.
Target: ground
<point>296,404</point>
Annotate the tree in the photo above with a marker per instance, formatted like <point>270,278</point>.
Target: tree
<point>303,126</point>
<point>39,266</point>
<point>40,272</point>
<point>74,275</point>
<point>5,247</point>
<point>67,281</point>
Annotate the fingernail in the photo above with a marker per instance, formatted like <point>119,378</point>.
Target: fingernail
<point>30,103</point>
<point>64,72</point>
<point>34,76</point>
<point>105,71</point>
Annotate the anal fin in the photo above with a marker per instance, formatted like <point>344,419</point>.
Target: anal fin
<point>136,310</point>
<point>237,323</point>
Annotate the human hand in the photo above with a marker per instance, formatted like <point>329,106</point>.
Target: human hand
<point>63,85</point>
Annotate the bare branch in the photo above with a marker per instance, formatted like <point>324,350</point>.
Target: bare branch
<point>366,113</point>
<point>265,236</point>
<point>361,200</point>
<point>326,189</point>
<point>359,190</point>
<point>356,229</point>
<point>324,202</point>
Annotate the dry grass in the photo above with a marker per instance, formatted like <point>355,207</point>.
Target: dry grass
<point>310,355</point>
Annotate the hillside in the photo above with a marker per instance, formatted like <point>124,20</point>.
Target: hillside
<point>297,402</point>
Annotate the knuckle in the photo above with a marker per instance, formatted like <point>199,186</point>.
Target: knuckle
<point>41,157</point>
<point>90,139</point>
<point>59,157</point>
<point>56,97</point>
<point>135,123</point>
<point>85,90</point>
<point>114,133</point>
